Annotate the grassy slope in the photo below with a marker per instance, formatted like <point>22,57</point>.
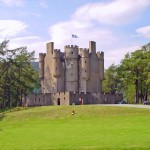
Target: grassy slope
<point>92,127</point>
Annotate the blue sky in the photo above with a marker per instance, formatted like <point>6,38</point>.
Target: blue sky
<point>117,26</point>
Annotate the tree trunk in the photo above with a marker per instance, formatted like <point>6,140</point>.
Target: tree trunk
<point>137,92</point>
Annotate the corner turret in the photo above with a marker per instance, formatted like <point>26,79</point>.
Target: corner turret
<point>85,63</point>
<point>50,48</point>
<point>41,65</point>
<point>101,65</point>
<point>92,47</point>
<point>56,63</point>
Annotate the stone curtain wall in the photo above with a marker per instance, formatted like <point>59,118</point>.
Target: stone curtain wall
<point>95,98</point>
<point>37,100</point>
<point>69,98</point>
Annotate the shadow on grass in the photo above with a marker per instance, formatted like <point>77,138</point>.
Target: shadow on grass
<point>2,115</point>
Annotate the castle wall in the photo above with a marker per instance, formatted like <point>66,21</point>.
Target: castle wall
<point>39,99</point>
<point>60,98</point>
<point>69,98</point>
<point>95,98</point>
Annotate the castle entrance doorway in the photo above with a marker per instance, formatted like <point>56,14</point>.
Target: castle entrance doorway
<point>58,101</point>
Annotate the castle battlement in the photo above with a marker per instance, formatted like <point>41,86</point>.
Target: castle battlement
<point>41,56</point>
<point>71,46</point>
<point>100,55</point>
<point>56,53</point>
<point>71,52</point>
<point>84,52</point>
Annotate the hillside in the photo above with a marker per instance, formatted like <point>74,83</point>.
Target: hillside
<point>92,127</point>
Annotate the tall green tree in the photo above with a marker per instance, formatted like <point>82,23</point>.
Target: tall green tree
<point>17,76</point>
<point>111,80</point>
<point>131,76</point>
<point>135,69</point>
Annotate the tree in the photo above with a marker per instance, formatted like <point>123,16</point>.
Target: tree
<point>131,76</point>
<point>111,83</point>
<point>17,76</point>
<point>135,69</point>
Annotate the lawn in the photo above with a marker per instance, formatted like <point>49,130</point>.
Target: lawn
<point>92,127</point>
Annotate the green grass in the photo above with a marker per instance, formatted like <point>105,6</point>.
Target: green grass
<point>92,127</point>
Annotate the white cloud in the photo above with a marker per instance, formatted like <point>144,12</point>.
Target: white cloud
<point>10,28</point>
<point>61,33</point>
<point>116,55</point>
<point>82,21</point>
<point>114,12</point>
<point>43,4</point>
<point>144,31</point>
<point>33,43</point>
<point>87,22</point>
<point>13,2</point>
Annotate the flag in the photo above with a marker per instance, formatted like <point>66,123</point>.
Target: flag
<point>74,36</point>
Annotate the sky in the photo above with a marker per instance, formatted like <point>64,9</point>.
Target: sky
<point>117,26</point>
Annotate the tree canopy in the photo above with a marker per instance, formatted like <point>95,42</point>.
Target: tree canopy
<point>131,76</point>
<point>17,76</point>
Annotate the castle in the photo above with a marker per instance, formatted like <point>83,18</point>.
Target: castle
<point>71,77</point>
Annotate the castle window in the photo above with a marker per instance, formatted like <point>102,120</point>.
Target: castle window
<point>64,98</point>
<point>85,70</point>
<point>39,99</point>
<point>85,62</point>
<point>71,52</point>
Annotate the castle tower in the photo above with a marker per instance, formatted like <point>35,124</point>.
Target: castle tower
<point>56,63</point>
<point>72,68</point>
<point>41,69</point>
<point>92,47</point>
<point>84,53</point>
<point>101,65</point>
<point>49,48</point>
<point>41,66</point>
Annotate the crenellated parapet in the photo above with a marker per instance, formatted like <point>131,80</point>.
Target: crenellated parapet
<point>71,52</point>
<point>41,56</point>
<point>100,55</point>
<point>84,52</point>
<point>56,53</point>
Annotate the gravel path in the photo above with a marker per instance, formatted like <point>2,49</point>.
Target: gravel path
<point>127,105</point>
